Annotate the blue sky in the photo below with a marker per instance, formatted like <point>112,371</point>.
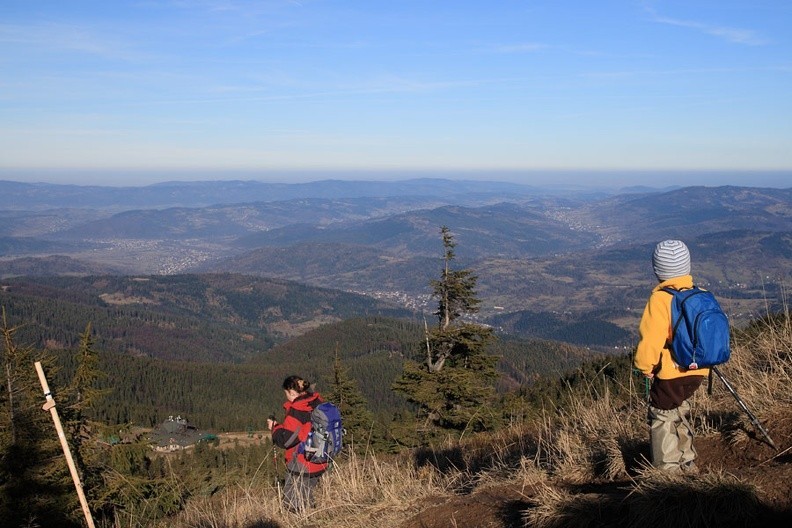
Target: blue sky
<point>200,88</point>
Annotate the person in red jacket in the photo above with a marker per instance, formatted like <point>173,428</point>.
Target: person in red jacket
<point>302,475</point>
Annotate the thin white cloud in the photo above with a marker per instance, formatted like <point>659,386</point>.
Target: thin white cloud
<point>736,35</point>
<point>686,72</point>
<point>59,38</point>
<point>525,47</point>
<point>248,7</point>
<point>401,84</point>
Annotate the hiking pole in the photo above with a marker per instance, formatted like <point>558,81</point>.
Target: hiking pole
<point>744,407</point>
<point>50,406</point>
<point>646,383</point>
<point>274,455</point>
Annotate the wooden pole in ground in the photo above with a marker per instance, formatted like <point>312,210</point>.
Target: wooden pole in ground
<point>50,406</point>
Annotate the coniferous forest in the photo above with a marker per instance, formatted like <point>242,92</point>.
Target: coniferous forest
<point>123,355</point>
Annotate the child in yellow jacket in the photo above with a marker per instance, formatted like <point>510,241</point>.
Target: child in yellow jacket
<point>671,435</point>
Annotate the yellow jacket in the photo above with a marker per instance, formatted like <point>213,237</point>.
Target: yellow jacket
<point>652,356</point>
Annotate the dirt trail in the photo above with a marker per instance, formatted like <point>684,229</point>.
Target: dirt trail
<point>749,459</point>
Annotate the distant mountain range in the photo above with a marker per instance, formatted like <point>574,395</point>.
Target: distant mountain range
<point>38,196</point>
<point>541,255</point>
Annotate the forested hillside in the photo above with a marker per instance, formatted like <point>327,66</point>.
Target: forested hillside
<point>188,317</point>
<point>238,396</point>
<point>215,348</point>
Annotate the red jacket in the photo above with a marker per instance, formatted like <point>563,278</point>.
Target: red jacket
<point>298,420</point>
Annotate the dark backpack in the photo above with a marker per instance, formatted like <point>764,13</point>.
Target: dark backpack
<point>325,440</point>
<point>700,331</point>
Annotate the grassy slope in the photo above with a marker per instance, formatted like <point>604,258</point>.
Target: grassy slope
<point>580,465</point>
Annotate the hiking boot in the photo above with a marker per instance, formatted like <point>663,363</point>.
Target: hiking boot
<point>690,468</point>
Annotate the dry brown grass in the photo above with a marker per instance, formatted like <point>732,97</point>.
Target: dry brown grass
<point>357,492</point>
<point>580,466</point>
<point>555,507</point>
<point>715,498</point>
<point>592,437</point>
<point>761,365</point>
<point>760,370</point>
<point>587,444</point>
<point>657,499</point>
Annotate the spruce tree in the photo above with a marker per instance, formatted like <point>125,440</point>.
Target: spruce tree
<point>453,380</point>
<point>83,387</point>
<point>80,398</point>
<point>358,420</point>
<point>34,479</point>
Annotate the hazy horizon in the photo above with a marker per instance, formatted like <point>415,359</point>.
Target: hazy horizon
<point>657,179</point>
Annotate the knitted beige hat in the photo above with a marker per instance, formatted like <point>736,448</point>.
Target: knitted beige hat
<point>671,259</point>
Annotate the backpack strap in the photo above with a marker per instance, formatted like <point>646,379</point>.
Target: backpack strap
<point>294,438</point>
<point>673,292</point>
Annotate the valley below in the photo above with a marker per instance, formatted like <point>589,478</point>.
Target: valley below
<point>566,255</point>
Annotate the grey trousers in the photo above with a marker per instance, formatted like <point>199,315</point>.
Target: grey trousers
<point>298,491</point>
<point>671,438</point>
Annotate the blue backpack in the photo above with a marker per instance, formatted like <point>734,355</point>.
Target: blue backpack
<point>325,440</point>
<point>700,334</point>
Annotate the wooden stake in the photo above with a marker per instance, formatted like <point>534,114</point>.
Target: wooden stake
<point>50,406</point>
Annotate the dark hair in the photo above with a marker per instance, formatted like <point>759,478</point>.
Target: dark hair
<point>296,383</point>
